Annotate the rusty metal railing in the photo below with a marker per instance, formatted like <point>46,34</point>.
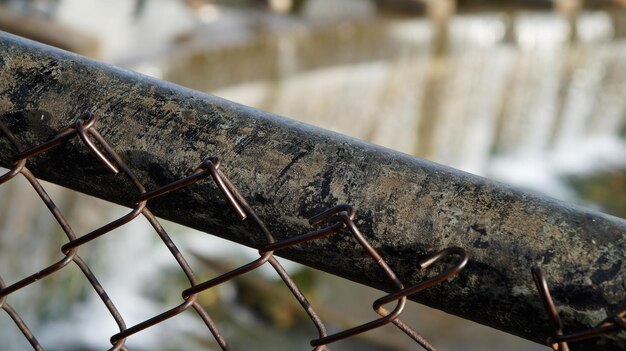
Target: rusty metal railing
<point>408,207</point>
<point>84,129</point>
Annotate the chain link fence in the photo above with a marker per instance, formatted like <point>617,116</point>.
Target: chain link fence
<point>337,219</point>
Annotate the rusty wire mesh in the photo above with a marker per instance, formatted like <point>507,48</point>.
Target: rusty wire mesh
<point>338,217</point>
<point>614,323</point>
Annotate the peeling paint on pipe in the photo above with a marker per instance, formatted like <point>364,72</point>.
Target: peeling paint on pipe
<point>407,207</point>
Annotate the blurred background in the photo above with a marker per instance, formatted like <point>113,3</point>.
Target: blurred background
<point>530,93</point>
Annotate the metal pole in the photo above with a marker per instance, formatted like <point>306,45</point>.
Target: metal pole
<point>289,171</point>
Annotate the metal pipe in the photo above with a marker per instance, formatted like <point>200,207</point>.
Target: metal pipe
<point>289,171</point>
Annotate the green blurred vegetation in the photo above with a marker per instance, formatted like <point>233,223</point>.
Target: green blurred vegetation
<point>606,189</point>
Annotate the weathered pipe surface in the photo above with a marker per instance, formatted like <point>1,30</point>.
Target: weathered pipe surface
<point>406,206</point>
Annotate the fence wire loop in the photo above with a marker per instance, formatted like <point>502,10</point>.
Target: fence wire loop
<point>83,127</point>
<point>346,214</point>
<point>315,234</point>
<point>208,167</point>
<point>339,217</point>
<point>558,341</point>
<point>439,278</point>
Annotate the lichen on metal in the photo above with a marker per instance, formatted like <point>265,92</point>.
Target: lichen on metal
<point>407,207</point>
